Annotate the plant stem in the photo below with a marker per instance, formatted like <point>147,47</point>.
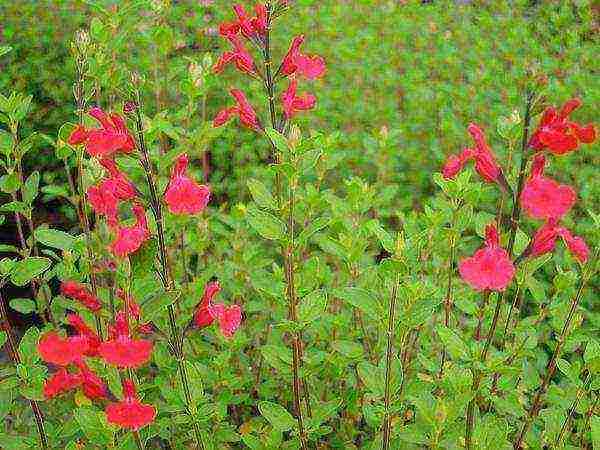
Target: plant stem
<point>588,416</point>
<point>514,225</point>
<point>484,302</point>
<point>448,297</point>
<point>573,408</point>
<point>551,367</point>
<point>387,421</point>
<point>166,276</point>
<point>35,408</point>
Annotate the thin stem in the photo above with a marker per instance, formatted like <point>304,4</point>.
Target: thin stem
<point>573,408</point>
<point>387,421</point>
<point>166,275</point>
<point>484,302</point>
<point>551,367</point>
<point>588,416</point>
<point>448,297</point>
<point>35,408</point>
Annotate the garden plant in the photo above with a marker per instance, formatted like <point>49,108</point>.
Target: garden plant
<point>299,225</point>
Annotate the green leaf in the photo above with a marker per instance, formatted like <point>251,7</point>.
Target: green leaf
<point>266,224</point>
<point>29,268</point>
<point>94,426</point>
<point>153,307</point>
<point>386,240</point>
<point>4,49</point>
<point>595,426</point>
<point>4,248</point>
<point>23,305</point>
<point>349,349</point>
<point>315,226</point>
<point>361,299</point>
<point>30,188</point>
<point>312,307</point>
<point>261,194</point>
<point>15,207</point>
<point>278,140</point>
<point>277,415</point>
<point>453,343</point>
<point>10,183</point>
<point>6,142</point>
<point>373,377</point>
<point>142,261</point>
<point>28,346</point>
<point>55,238</point>
<point>3,338</point>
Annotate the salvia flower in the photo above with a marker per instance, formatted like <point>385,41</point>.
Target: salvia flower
<point>292,103</point>
<point>86,333</point>
<point>490,268</point>
<point>92,385</point>
<point>203,316</point>
<point>229,317</point>
<point>243,109</point>
<point>61,351</point>
<point>544,241</point>
<point>251,26</point>
<point>61,382</point>
<point>239,56</point>
<point>111,137</point>
<point>82,294</point>
<point>560,135</point>
<point>121,349</point>
<point>130,413</point>
<point>183,195</point>
<point>130,239</point>
<point>544,198</point>
<point>294,62</point>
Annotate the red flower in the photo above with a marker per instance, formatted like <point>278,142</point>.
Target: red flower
<point>60,382</point>
<point>490,267</point>
<point>544,198</point>
<point>183,195</point>
<point>81,293</point>
<point>203,317</point>
<point>240,56</point>
<point>229,317</point>
<point>130,239</point>
<point>544,241</point>
<point>55,349</point>
<point>245,111</point>
<point>130,413</point>
<point>103,142</point>
<point>560,135</point>
<point>123,351</point>
<point>485,160</point>
<point>311,67</point>
<point>293,103</point>
<point>86,333</point>
<point>91,384</point>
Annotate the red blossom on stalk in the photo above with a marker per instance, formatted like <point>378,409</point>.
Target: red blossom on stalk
<point>243,109</point>
<point>544,241</point>
<point>82,294</point>
<point>130,239</point>
<point>121,349</point>
<point>202,316</point>
<point>544,198</point>
<point>485,160</point>
<point>251,26</point>
<point>239,56</point>
<point>292,103</point>
<point>130,413</point>
<point>91,384</point>
<point>86,333</point>
<point>61,382</point>
<point>61,351</point>
<point>490,268</point>
<point>183,195</point>
<point>111,137</point>
<point>294,62</point>
<point>559,134</point>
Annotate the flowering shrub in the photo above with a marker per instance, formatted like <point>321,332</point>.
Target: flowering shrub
<point>320,313</point>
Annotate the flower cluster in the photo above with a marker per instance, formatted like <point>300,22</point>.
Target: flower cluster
<point>82,294</point>
<point>228,317</point>
<point>183,195</point>
<point>294,65</point>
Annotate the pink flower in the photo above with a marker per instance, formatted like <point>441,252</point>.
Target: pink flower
<point>292,103</point>
<point>91,384</point>
<point>86,333</point>
<point>130,413</point>
<point>544,198</point>
<point>82,294</point>
<point>183,195</point>
<point>130,239</point>
<point>229,317</point>
<point>111,137</point>
<point>560,135</point>
<point>455,163</point>
<point>123,351</point>
<point>55,349</point>
<point>203,317</point>
<point>240,56</point>
<point>544,241</point>
<point>310,67</point>
<point>61,382</point>
<point>243,109</point>
<point>490,267</point>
